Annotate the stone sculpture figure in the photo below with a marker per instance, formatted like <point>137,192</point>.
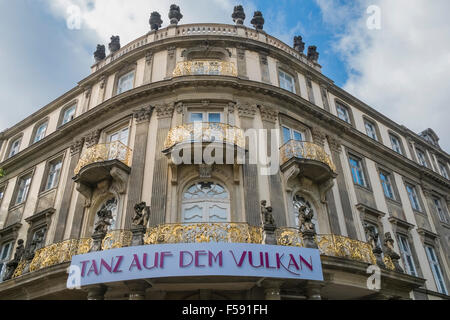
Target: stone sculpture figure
<point>258,20</point>
<point>114,45</point>
<point>313,55</point>
<point>12,265</point>
<point>100,54</point>
<point>142,214</point>
<point>155,21</point>
<point>299,45</point>
<point>104,221</point>
<point>372,236</point>
<point>238,15</point>
<point>266,214</point>
<point>174,14</point>
<point>390,251</point>
<point>305,216</point>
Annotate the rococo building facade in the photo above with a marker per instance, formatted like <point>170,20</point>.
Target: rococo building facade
<point>94,170</point>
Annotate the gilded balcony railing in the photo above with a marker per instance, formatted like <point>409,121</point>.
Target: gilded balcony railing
<point>329,245</point>
<point>205,132</point>
<point>203,232</point>
<point>104,152</point>
<point>305,150</point>
<point>205,67</point>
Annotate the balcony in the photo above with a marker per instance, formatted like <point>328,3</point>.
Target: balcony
<point>205,67</point>
<point>103,162</point>
<point>315,163</point>
<point>329,245</point>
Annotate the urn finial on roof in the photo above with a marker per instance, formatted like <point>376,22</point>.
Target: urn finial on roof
<point>238,15</point>
<point>114,45</point>
<point>155,21</point>
<point>175,14</point>
<point>99,54</point>
<point>258,20</point>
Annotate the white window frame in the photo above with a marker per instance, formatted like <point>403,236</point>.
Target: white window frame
<point>422,158</point>
<point>345,115</point>
<point>53,175</point>
<point>436,269</point>
<point>371,129</point>
<point>15,147</point>
<point>396,144</point>
<point>5,257</point>
<point>440,210</point>
<point>26,181</point>
<point>388,184</point>
<point>406,253</point>
<point>123,135</point>
<point>359,168</point>
<point>127,78</point>
<point>413,196</point>
<point>39,136</point>
<point>205,116</point>
<point>287,82</point>
<point>292,133</point>
<point>69,114</point>
<point>443,170</point>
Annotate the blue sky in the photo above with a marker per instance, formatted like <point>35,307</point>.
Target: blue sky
<point>41,58</point>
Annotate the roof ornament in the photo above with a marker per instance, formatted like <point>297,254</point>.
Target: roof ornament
<point>155,21</point>
<point>258,20</point>
<point>175,14</point>
<point>238,15</point>
<point>299,45</point>
<point>114,45</point>
<point>99,54</point>
<point>313,55</point>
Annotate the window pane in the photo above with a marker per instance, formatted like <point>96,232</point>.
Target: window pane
<point>196,117</point>
<point>125,83</point>
<point>214,117</point>
<point>358,176</point>
<point>343,113</point>
<point>40,132</point>
<point>298,136</point>
<point>443,170</point>
<point>15,147</point>
<point>69,115</point>
<point>53,175</point>
<point>286,82</point>
<point>370,129</point>
<point>286,134</point>
<point>24,185</point>
<point>395,144</point>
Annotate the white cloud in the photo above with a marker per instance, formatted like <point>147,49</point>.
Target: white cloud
<point>402,70</point>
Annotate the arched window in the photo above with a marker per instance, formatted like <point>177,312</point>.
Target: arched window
<point>205,201</point>
<point>110,205</point>
<point>298,201</point>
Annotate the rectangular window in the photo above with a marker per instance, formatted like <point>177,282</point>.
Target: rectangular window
<point>343,113</point>
<point>387,185</point>
<point>406,254</point>
<point>421,158</point>
<point>40,132</point>
<point>357,172</point>
<point>291,134</point>
<point>370,130</point>
<point>440,211</point>
<point>120,135</point>
<point>125,82</point>
<point>24,187</point>
<point>286,81</point>
<point>214,117</point>
<point>69,114</point>
<point>53,175</point>
<point>395,142</point>
<point>436,268</point>
<point>443,170</point>
<point>2,193</point>
<point>15,146</point>
<point>412,194</point>
<point>5,255</point>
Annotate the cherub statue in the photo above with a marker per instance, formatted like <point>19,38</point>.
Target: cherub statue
<point>266,214</point>
<point>305,216</point>
<point>142,214</point>
<point>103,221</point>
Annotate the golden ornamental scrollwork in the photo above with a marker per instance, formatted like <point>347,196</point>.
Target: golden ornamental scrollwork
<point>117,239</point>
<point>388,263</point>
<point>288,237</point>
<point>104,152</point>
<point>205,132</point>
<point>205,67</point>
<point>203,233</point>
<point>305,150</point>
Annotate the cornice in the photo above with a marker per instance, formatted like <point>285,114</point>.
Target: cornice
<point>333,125</point>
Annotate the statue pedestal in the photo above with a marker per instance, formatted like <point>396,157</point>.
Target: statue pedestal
<point>377,253</point>
<point>269,234</point>
<point>138,235</point>
<point>97,239</point>
<point>309,239</point>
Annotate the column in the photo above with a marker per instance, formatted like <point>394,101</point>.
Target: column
<point>313,290</point>
<point>96,292</point>
<point>269,118</point>
<point>75,150</point>
<point>247,114</point>
<point>272,289</point>
<point>137,289</point>
<point>142,118</point>
<point>241,63</point>
<point>335,147</point>
<point>160,175</point>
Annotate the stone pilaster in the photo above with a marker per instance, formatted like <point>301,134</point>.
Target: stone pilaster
<point>269,119</point>
<point>75,150</point>
<point>160,172</point>
<point>309,87</point>
<point>336,149</point>
<point>148,67</point>
<point>324,94</point>
<point>171,61</point>
<point>264,65</point>
<point>241,63</point>
<point>142,118</point>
